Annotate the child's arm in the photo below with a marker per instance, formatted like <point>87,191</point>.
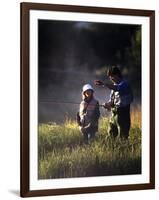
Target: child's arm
<point>96,112</point>
<point>78,119</point>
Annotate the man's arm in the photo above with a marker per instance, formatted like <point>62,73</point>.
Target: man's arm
<point>108,85</point>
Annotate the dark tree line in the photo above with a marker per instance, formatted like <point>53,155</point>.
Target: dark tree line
<point>72,46</point>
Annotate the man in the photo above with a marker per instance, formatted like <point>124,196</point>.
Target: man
<point>119,104</point>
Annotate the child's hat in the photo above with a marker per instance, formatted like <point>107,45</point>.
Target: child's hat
<point>87,87</point>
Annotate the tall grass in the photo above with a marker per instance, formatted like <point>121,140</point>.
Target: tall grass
<point>136,117</point>
<point>62,152</point>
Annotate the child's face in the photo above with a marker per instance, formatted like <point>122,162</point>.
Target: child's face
<point>88,93</point>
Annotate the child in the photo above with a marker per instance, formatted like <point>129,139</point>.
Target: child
<point>88,115</point>
<point>119,104</point>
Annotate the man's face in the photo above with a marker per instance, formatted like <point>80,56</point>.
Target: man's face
<point>114,78</point>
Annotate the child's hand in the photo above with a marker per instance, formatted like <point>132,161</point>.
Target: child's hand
<point>82,129</point>
<point>98,82</point>
<point>87,126</point>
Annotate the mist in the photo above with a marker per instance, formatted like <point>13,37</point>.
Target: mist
<point>58,102</point>
<point>72,54</point>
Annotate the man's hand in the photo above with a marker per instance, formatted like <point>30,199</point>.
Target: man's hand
<point>107,85</point>
<point>107,106</point>
<point>98,82</point>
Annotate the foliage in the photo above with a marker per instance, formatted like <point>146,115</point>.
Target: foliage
<point>63,154</point>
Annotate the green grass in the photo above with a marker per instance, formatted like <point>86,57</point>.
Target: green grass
<point>63,154</point>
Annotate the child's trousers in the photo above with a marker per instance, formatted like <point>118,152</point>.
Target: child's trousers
<point>88,136</point>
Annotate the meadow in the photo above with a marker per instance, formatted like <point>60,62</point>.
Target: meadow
<point>63,154</point>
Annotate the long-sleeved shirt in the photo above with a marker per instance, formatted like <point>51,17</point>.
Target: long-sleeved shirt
<point>122,94</point>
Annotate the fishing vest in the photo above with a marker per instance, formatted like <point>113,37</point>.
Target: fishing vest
<point>123,97</point>
<point>86,111</point>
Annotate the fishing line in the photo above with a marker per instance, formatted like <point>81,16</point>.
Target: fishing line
<point>63,102</point>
